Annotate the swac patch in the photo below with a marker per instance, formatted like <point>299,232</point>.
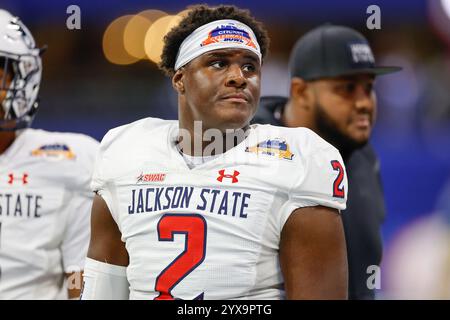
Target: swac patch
<point>151,177</point>
<point>55,151</point>
<point>228,33</point>
<point>272,147</point>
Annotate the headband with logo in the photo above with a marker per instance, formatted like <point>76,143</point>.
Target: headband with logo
<point>219,34</point>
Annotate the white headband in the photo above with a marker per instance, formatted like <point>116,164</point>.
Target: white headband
<point>219,34</point>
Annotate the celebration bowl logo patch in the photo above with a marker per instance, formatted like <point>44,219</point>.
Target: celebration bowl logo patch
<point>272,147</point>
<point>229,33</point>
<point>55,151</point>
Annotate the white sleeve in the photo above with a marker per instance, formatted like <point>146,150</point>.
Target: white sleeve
<point>101,182</point>
<point>322,182</point>
<point>98,182</point>
<point>76,235</point>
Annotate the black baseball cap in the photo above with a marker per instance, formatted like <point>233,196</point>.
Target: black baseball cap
<point>331,51</point>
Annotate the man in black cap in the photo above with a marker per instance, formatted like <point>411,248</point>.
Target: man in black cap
<point>332,76</point>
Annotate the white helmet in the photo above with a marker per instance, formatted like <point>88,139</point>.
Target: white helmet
<point>19,55</point>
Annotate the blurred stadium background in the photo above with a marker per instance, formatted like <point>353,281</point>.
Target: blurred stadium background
<point>105,75</point>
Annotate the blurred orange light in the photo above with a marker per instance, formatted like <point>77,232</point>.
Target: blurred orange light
<point>136,29</point>
<point>183,13</point>
<point>113,45</point>
<point>154,39</point>
<point>152,14</point>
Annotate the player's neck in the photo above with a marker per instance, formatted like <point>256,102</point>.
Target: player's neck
<point>6,140</point>
<point>203,143</point>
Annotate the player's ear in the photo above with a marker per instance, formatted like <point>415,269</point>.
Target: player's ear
<point>298,87</point>
<point>177,81</point>
<point>299,92</point>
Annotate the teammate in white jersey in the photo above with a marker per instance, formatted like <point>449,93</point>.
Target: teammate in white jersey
<point>45,199</point>
<point>172,220</point>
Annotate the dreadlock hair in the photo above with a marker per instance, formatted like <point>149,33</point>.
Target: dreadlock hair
<point>200,15</point>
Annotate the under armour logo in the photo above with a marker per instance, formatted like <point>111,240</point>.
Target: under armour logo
<point>24,178</point>
<point>229,176</point>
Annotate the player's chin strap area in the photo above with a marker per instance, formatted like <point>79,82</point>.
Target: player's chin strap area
<point>103,281</point>
<point>21,122</point>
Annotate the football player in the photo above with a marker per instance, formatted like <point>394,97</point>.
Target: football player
<point>256,217</point>
<point>45,199</point>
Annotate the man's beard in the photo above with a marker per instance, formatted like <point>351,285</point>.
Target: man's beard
<point>328,130</point>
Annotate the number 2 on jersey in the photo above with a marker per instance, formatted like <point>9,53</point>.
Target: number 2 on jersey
<point>193,226</point>
<point>338,192</point>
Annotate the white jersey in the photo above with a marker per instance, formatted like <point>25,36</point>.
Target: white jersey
<point>45,204</point>
<point>211,232</point>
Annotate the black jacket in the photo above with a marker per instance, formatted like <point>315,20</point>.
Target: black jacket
<point>365,206</point>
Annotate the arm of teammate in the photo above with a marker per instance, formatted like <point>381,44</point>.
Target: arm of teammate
<point>107,258</point>
<point>76,240</point>
<point>106,244</point>
<point>313,254</point>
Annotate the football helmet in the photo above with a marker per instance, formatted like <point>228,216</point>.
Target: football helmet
<point>20,58</point>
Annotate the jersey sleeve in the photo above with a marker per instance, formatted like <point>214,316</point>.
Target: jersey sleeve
<point>76,236</point>
<point>78,206</point>
<point>117,147</point>
<point>321,180</point>
<point>101,182</point>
